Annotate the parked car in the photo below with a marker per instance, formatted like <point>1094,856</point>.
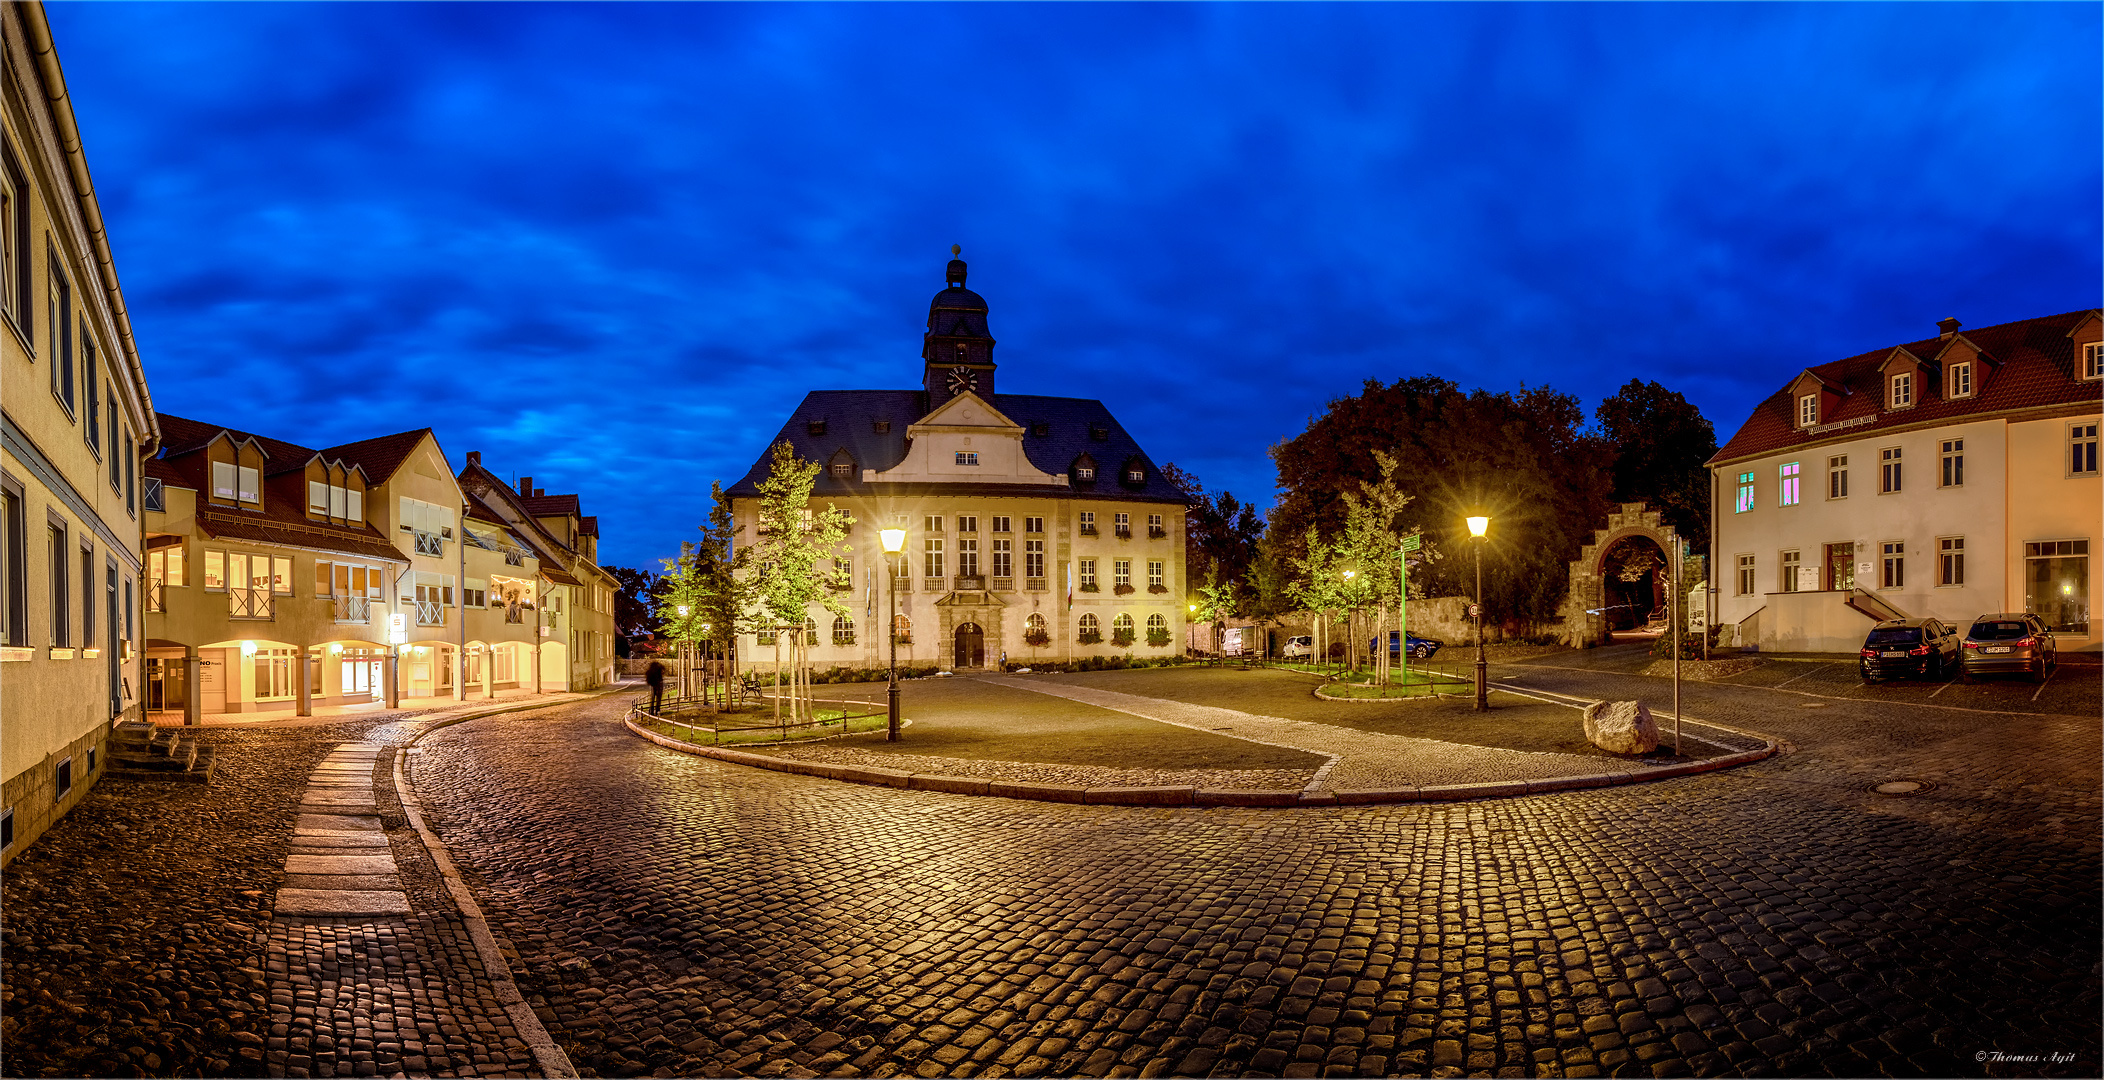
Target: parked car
<point>2014,641</point>
<point>1919,647</point>
<point>1420,648</point>
<point>1298,648</point>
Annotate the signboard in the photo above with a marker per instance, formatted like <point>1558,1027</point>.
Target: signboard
<point>1410,543</point>
<point>1475,610</point>
<point>1807,579</point>
<point>397,629</point>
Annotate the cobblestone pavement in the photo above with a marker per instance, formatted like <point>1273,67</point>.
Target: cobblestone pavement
<point>676,915</point>
<point>139,937</point>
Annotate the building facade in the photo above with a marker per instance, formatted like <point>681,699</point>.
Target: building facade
<point>1037,529</point>
<point>1950,477</point>
<point>75,421</point>
<point>282,578</point>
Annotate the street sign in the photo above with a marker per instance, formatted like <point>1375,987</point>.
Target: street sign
<point>1475,610</point>
<point>1410,542</point>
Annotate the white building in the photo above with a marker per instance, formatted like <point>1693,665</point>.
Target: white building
<point>1949,478</point>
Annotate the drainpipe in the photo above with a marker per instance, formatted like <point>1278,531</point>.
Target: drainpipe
<point>460,659</point>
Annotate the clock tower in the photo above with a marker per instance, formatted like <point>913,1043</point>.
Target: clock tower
<point>957,348</point>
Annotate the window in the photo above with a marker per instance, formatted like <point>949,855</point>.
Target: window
<point>932,525</point>
<point>968,557</point>
<point>154,499</point>
<point>1791,478</point>
<point>1089,630</point>
<point>883,427</point>
<point>1154,525</point>
<point>1121,572</point>
<point>1001,525</point>
<point>9,201</point>
<point>815,427</point>
<point>7,829</point>
<point>1033,524</point>
<point>1808,410</point>
<point>87,598</point>
<point>1154,574</point>
<point>280,575</point>
<point>223,481</point>
<point>91,380</point>
<point>1157,624</point>
<point>843,470</point>
<point>215,569</point>
<point>843,630</point>
<point>1888,470</point>
<point>1122,523</point>
<point>1033,625</point>
<point>1003,556</point>
<point>354,506</point>
<point>1135,475</point>
<point>931,555</point>
<point>1746,575</point>
<point>317,497</point>
<point>1034,558</point>
<point>251,485</point>
<point>120,480</point>
<point>2082,449</point>
<point>61,632</point>
<point>2056,584</point>
<point>14,616</point>
<point>1837,477</point>
<point>1894,567</point>
<point>60,336</point>
<point>1792,564</point>
<point>1121,629</point>
<point>1954,463</point>
<point>1961,379</point>
<point>968,523</point>
<point>1084,472</point>
<point>273,673</point>
<point>1745,502</point>
<point>474,592</point>
<point>2093,360</point>
<point>62,779</point>
<point>1088,574</point>
<point>1902,390</point>
<point>902,629</point>
<point>967,457</point>
<point>1950,557</point>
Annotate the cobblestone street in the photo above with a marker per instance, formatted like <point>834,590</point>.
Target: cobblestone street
<point>674,915</point>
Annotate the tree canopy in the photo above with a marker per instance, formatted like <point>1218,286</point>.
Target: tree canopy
<point>1661,444</point>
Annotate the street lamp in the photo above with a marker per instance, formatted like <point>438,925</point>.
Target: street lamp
<point>894,542</point>
<point>1477,526</point>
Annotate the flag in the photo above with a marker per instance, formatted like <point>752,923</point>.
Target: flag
<point>1069,569</point>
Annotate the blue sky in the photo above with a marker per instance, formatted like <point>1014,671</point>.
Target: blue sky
<point>612,245</point>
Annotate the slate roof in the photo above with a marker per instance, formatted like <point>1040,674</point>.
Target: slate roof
<point>851,416</point>
<point>2028,364</point>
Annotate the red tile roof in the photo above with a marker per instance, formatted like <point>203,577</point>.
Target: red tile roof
<point>282,518</point>
<point>2029,363</point>
<point>382,455</point>
<point>549,505</point>
<point>181,435</point>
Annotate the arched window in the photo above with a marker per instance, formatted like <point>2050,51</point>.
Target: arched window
<point>1121,630</point>
<point>1090,634</point>
<point>1034,622</point>
<point>1156,622</point>
<point>843,630</point>
<point>1157,630</point>
<point>902,629</point>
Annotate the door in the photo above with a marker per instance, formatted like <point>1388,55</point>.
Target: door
<point>165,691</point>
<point>211,680</point>
<point>971,646</point>
<point>114,652</point>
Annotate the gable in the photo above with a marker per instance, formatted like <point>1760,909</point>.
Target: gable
<point>968,410</point>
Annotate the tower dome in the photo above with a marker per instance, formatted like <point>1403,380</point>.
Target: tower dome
<point>957,348</point>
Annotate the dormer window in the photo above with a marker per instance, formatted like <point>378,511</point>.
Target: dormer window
<point>1961,379</point>
<point>883,427</point>
<point>1084,472</point>
<point>815,427</point>
<point>844,471</point>
<point>1808,411</point>
<point>2093,360</point>
<point>1902,395</point>
<point>1098,432</point>
<point>1135,476</point>
<point>1041,430</point>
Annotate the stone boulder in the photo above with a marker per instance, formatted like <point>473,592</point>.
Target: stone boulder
<point>1621,727</point>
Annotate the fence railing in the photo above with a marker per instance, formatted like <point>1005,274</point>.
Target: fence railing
<point>682,712</point>
<point>429,543</point>
<point>156,596</point>
<point>251,604</point>
<point>353,609</point>
<point>430,613</point>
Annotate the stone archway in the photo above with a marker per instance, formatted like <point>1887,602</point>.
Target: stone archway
<point>1585,620</point>
<point>970,646</point>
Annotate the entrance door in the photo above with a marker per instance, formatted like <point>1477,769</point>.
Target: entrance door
<point>1841,567</point>
<point>165,691</point>
<point>971,646</point>
<point>211,680</point>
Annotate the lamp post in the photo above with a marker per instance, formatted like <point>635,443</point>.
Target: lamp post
<point>1477,526</point>
<point>894,542</point>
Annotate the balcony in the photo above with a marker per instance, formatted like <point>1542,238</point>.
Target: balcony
<point>515,613</point>
<point>156,596</point>
<point>1156,532</point>
<point>1035,584</point>
<point>251,604</point>
<point>513,558</point>
<point>971,582</point>
<point>429,543</point>
<point>430,613</point>
<point>902,582</point>
<point>1004,584</point>
<point>155,500</point>
<point>353,609</point>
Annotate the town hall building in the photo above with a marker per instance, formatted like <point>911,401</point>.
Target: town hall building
<point>1036,527</point>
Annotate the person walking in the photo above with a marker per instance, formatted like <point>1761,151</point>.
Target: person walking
<point>654,677</point>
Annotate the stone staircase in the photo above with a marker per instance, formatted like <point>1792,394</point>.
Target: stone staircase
<point>142,751</point>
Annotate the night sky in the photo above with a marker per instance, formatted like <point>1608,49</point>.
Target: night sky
<point>611,246</point>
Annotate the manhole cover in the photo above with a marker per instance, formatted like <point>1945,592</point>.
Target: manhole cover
<point>1812,705</point>
<point>1901,787</point>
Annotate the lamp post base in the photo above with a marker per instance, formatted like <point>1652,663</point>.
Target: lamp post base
<point>891,731</point>
<point>1482,685</point>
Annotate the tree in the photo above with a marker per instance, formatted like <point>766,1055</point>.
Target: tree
<point>1662,445</point>
<point>633,614</point>
<point>787,579</point>
<point>1221,534</point>
<point>703,597</point>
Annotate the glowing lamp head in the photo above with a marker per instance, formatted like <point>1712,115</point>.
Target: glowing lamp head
<point>1349,574</point>
<point>1477,526</point>
<point>248,648</point>
<point>894,540</point>
<point>682,611</point>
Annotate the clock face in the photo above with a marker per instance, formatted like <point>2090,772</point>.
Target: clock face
<point>962,379</point>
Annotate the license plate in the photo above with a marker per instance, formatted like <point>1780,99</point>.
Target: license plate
<point>1996,648</point>
<point>1892,655</point>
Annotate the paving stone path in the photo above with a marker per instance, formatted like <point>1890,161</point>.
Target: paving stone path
<point>678,916</point>
<point>1359,760</point>
<point>339,862</point>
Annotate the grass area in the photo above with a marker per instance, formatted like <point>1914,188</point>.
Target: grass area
<point>1420,684</point>
<point>986,720</point>
<point>700,735</point>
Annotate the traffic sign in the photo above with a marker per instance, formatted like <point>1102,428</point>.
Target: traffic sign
<point>1410,542</point>
<point>1475,610</point>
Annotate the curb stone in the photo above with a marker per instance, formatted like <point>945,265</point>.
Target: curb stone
<point>1189,796</point>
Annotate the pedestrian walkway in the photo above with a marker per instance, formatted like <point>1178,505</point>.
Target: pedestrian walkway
<point>339,862</point>
<point>373,710</point>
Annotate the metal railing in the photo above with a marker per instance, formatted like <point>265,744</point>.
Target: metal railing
<point>430,613</point>
<point>515,613</point>
<point>156,596</point>
<point>353,609</point>
<point>681,712</point>
<point>429,543</point>
<point>251,604</point>
<point>155,501</point>
<point>513,558</point>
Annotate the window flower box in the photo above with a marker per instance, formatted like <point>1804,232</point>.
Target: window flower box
<point>1090,637</point>
<point>1121,637</point>
<point>1122,590</point>
<point>1157,589</point>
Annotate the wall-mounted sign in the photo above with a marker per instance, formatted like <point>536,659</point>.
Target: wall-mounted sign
<point>397,628</point>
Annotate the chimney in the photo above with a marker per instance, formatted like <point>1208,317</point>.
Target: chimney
<point>474,459</point>
<point>526,485</point>
<point>1948,326</point>
<point>538,492</point>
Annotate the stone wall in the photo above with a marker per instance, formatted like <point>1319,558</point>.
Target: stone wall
<point>32,793</point>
